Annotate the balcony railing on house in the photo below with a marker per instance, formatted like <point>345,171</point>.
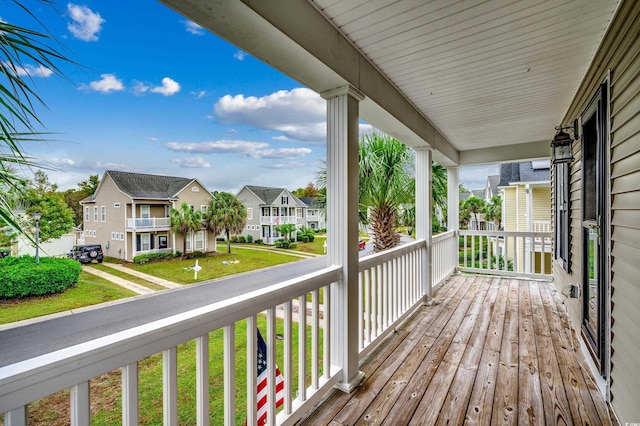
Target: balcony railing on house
<point>392,285</point>
<point>277,220</point>
<point>526,254</point>
<point>148,223</point>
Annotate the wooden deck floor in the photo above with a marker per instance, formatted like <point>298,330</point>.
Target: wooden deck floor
<point>492,351</point>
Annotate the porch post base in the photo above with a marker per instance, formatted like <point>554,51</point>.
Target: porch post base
<point>352,385</point>
<point>429,301</point>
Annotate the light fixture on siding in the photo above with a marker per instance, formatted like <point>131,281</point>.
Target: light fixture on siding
<point>562,145</point>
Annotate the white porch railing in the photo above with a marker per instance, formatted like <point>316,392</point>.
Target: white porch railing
<point>444,256</point>
<point>390,287</point>
<point>148,223</point>
<point>277,220</point>
<point>526,254</point>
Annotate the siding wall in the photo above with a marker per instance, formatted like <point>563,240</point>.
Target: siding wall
<point>618,57</point>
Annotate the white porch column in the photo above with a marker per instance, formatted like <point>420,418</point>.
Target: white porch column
<point>342,228</point>
<point>453,205</point>
<point>423,214</point>
<point>134,246</point>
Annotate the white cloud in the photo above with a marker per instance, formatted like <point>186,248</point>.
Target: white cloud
<point>199,95</point>
<point>193,28</point>
<point>29,70</point>
<point>169,87</point>
<point>239,55</point>
<point>139,87</point>
<point>108,83</point>
<point>86,24</point>
<point>280,153</point>
<point>192,163</point>
<point>288,165</point>
<point>298,114</point>
<point>216,147</point>
<point>91,166</point>
<point>153,139</point>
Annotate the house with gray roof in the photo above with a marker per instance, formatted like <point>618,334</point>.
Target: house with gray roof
<point>316,217</point>
<point>129,214</point>
<point>268,207</point>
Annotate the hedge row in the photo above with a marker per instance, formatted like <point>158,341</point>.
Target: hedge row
<point>20,276</point>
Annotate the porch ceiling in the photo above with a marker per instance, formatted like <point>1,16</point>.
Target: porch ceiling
<point>469,78</point>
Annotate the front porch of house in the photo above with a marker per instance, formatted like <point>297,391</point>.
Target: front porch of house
<point>492,350</point>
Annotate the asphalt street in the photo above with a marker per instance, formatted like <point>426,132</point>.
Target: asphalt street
<point>25,342</point>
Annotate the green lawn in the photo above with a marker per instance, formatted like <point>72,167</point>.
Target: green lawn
<point>128,277</point>
<point>212,266</point>
<point>90,290</point>
<point>106,391</point>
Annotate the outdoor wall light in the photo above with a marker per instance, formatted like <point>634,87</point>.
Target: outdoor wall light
<point>36,217</point>
<point>562,145</point>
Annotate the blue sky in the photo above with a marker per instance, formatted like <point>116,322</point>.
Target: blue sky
<point>154,93</point>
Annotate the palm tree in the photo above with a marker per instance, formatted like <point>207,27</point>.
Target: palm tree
<point>285,229</point>
<point>386,173</point>
<point>493,210</point>
<point>227,214</point>
<point>184,221</point>
<point>18,120</point>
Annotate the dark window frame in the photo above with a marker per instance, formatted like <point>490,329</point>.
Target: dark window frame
<point>562,206</point>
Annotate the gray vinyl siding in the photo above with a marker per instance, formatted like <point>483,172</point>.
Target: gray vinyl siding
<point>618,58</point>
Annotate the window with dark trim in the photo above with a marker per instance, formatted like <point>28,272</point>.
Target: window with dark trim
<point>562,217</point>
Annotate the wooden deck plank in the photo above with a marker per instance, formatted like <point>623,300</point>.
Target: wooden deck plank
<point>554,399</point>
<point>455,405</point>
<point>495,351</point>
<point>505,401</point>
<point>530,408</point>
<point>480,406</point>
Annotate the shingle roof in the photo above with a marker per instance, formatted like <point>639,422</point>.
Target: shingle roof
<point>139,185</point>
<point>312,202</point>
<point>493,181</point>
<point>522,172</point>
<point>269,195</point>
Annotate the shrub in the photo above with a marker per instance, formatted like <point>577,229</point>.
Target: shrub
<point>293,245</point>
<point>195,254</point>
<point>153,257</point>
<point>259,241</point>
<point>220,239</point>
<point>249,238</point>
<point>21,277</point>
<point>242,239</point>
<point>233,239</point>
<point>305,238</point>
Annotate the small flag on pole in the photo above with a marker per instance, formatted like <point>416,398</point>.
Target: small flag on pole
<point>262,382</point>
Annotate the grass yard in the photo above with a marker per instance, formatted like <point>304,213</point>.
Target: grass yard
<point>106,402</point>
<point>90,290</point>
<point>212,267</point>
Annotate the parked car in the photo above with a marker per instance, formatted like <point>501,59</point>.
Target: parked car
<point>87,253</point>
<point>362,244</point>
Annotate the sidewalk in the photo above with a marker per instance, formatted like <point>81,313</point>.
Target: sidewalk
<point>151,278</point>
<point>136,288</point>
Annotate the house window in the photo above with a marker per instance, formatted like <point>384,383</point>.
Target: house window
<point>562,226</point>
<point>167,211</point>
<point>145,242</point>
<point>114,236</point>
<point>249,213</point>
<point>203,209</point>
<point>95,214</point>
<point>116,205</point>
<point>145,211</point>
<point>162,241</point>
<point>86,214</point>
<point>199,240</point>
<point>248,227</point>
<point>299,213</point>
<point>94,234</point>
<point>285,200</point>
<point>103,213</point>
<point>195,189</point>
<point>122,236</point>
<point>187,238</point>
<point>266,211</point>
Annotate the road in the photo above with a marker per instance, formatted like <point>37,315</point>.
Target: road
<point>25,342</point>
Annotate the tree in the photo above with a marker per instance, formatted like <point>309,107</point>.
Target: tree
<point>184,221</point>
<point>18,120</point>
<point>310,191</point>
<point>56,217</point>
<point>73,197</point>
<point>90,185</point>
<point>285,229</point>
<point>386,173</point>
<point>227,214</point>
<point>493,210</point>
<point>474,205</point>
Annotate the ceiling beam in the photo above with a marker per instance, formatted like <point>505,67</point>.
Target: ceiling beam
<point>506,154</point>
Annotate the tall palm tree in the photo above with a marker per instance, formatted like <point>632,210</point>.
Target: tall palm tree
<point>184,221</point>
<point>386,173</point>
<point>18,120</point>
<point>227,214</point>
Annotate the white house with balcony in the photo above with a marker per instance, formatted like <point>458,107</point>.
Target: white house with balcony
<point>129,214</point>
<point>269,207</point>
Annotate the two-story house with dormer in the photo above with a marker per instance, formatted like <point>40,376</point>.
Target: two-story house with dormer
<point>268,207</point>
<point>129,214</point>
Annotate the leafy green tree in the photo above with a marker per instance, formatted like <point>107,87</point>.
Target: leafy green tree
<point>310,191</point>
<point>493,210</point>
<point>227,214</point>
<point>73,197</point>
<point>56,217</point>
<point>474,205</point>
<point>386,173</point>
<point>285,229</point>
<point>19,46</point>
<point>90,185</point>
<point>184,221</point>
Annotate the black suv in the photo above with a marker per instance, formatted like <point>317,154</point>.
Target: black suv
<point>87,253</point>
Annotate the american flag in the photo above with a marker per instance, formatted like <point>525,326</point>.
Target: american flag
<point>262,382</point>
